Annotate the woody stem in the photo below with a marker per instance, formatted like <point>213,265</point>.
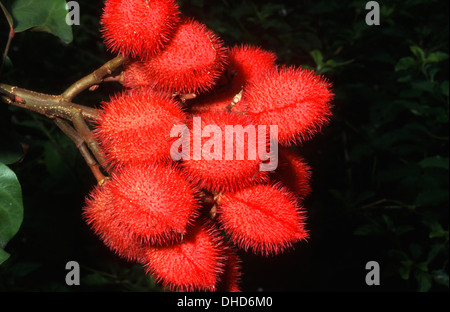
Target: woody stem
<point>80,144</point>
<point>93,79</point>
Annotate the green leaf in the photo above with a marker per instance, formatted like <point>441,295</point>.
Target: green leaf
<point>3,256</point>
<point>317,57</point>
<point>418,52</point>
<point>436,229</point>
<point>42,15</point>
<point>436,57</point>
<point>11,207</point>
<point>424,280</point>
<point>405,63</point>
<point>405,269</point>
<point>95,279</point>
<point>435,162</point>
<point>422,85</point>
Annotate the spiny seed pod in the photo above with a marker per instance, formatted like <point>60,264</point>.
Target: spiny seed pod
<point>262,218</point>
<point>192,62</point>
<point>293,172</point>
<point>223,152</point>
<point>192,265</point>
<point>99,213</point>
<point>135,127</point>
<point>246,64</point>
<point>230,279</point>
<point>139,28</point>
<point>296,100</point>
<point>135,76</point>
<point>249,63</point>
<point>143,203</point>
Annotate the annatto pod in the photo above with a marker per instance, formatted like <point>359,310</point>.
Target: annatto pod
<point>144,203</point>
<point>100,214</point>
<point>135,126</point>
<point>192,61</point>
<point>223,152</point>
<point>139,28</point>
<point>192,265</point>
<point>230,278</point>
<point>250,64</point>
<point>296,100</point>
<point>246,64</point>
<point>263,218</point>
<point>293,172</point>
<point>135,75</point>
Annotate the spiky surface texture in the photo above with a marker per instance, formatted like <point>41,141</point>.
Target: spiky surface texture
<point>263,218</point>
<point>296,100</point>
<point>146,203</point>
<point>231,277</point>
<point>246,64</point>
<point>216,100</point>
<point>293,172</point>
<point>134,127</point>
<point>139,28</point>
<point>135,76</point>
<point>249,64</point>
<point>100,214</point>
<point>192,265</point>
<point>212,164</point>
<point>192,61</point>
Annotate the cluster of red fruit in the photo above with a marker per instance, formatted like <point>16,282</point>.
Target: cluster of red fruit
<point>183,220</point>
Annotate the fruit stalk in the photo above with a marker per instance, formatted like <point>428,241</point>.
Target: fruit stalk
<point>93,79</point>
<point>51,106</point>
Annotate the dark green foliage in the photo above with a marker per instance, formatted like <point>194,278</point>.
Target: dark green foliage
<point>380,169</point>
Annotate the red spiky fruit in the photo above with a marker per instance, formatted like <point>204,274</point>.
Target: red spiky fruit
<point>100,214</point>
<point>147,203</point>
<point>223,152</point>
<point>136,126</point>
<point>249,64</point>
<point>296,100</point>
<point>191,62</point>
<point>135,76</point>
<point>263,218</point>
<point>139,28</point>
<point>293,172</point>
<point>246,63</point>
<point>194,264</point>
<point>230,279</point>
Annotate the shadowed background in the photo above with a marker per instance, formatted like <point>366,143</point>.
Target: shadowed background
<point>380,169</point>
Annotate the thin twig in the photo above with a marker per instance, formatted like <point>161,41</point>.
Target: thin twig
<point>236,99</point>
<point>95,78</point>
<point>5,53</point>
<point>84,151</point>
<point>86,134</point>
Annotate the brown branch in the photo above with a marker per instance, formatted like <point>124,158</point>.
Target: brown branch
<point>86,134</point>
<point>185,97</point>
<point>93,79</point>
<point>236,99</point>
<point>51,106</point>
<point>61,109</point>
<point>80,144</point>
